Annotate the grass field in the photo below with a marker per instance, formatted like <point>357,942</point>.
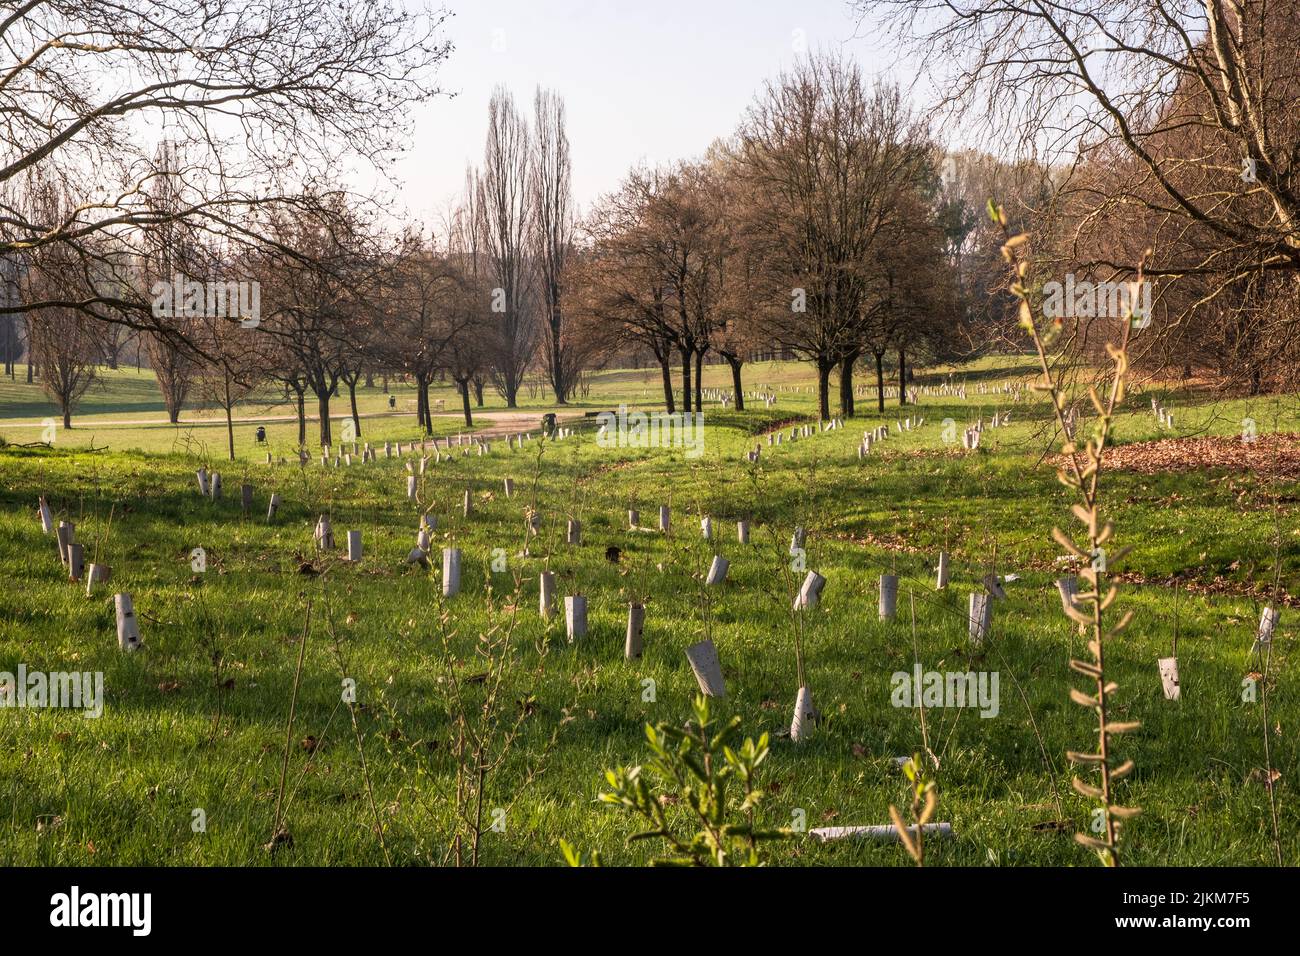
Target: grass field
<point>196,720</point>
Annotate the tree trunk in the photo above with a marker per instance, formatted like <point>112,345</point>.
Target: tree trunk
<point>735,362</point>
<point>323,404</point>
<point>699,381</point>
<point>668,386</point>
<point>352,398</point>
<point>230,419</point>
<point>558,384</point>
<point>67,417</point>
<point>880,381</point>
<point>902,376</point>
<point>686,380</point>
<point>846,384</point>
<point>824,366</point>
<point>512,391</point>
<point>464,394</point>
<point>370,379</point>
<point>302,418</point>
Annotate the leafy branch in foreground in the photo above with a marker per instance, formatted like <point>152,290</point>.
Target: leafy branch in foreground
<point>700,762</point>
<point>925,800</point>
<point>1082,474</point>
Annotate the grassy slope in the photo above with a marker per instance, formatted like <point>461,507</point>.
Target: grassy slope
<point>127,783</point>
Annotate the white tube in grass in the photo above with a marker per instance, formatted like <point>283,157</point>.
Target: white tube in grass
<point>272,506</point>
<point>742,532</point>
<point>801,726</point>
<point>128,628</point>
<point>96,574</point>
<point>708,669</point>
<point>810,592</point>
<point>468,506</point>
<point>509,486</point>
<point>717,570</point>
<point>635,626</point>
<point>76,561</point>
<point>354,545</point>
<point>215,486</point>
<point>246,498</point>
<point>633,518</point>
<point>981,616</point>
<point>1068,588</point>
<point>450,572</point>
<point>941,576</point>
<point>268,458</point>
<point>324,534</point>
<point>884,831</point>
<point>388,450</point>
<point>1267,624</point>
<point>422,540</point>
<point>664,521</point>
<point>546,594</point>
<point>888,596</point>
<point>47,519</point>
<point>797,539</point>
<point>1169,677</point>
<point>994,586</point>
<point>706,528</point>
<point>574,532</point>
<point>411,484</point>
<point>535,522</point>
<point>575,615</point>
<point>202,476</point>
<point>64,537</point>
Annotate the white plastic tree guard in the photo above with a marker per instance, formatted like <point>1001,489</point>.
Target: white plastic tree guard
<point>708,669</point>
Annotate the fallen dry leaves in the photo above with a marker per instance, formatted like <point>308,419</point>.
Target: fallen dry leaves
<point>1276,454</point>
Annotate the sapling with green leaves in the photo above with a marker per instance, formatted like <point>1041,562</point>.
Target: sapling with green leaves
<point>925,800</point>
<point>699,764</point>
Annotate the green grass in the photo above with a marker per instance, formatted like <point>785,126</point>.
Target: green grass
<point>174,738</point>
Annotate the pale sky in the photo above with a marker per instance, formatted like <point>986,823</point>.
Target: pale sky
<point>642,80</point>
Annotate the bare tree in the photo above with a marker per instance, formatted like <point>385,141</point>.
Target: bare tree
<point>229,372</point>
<point>1174,127</point>
<point>826,160</point>
<point>553,226</point>
<point>250,87</point>
<point>506,210</point>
